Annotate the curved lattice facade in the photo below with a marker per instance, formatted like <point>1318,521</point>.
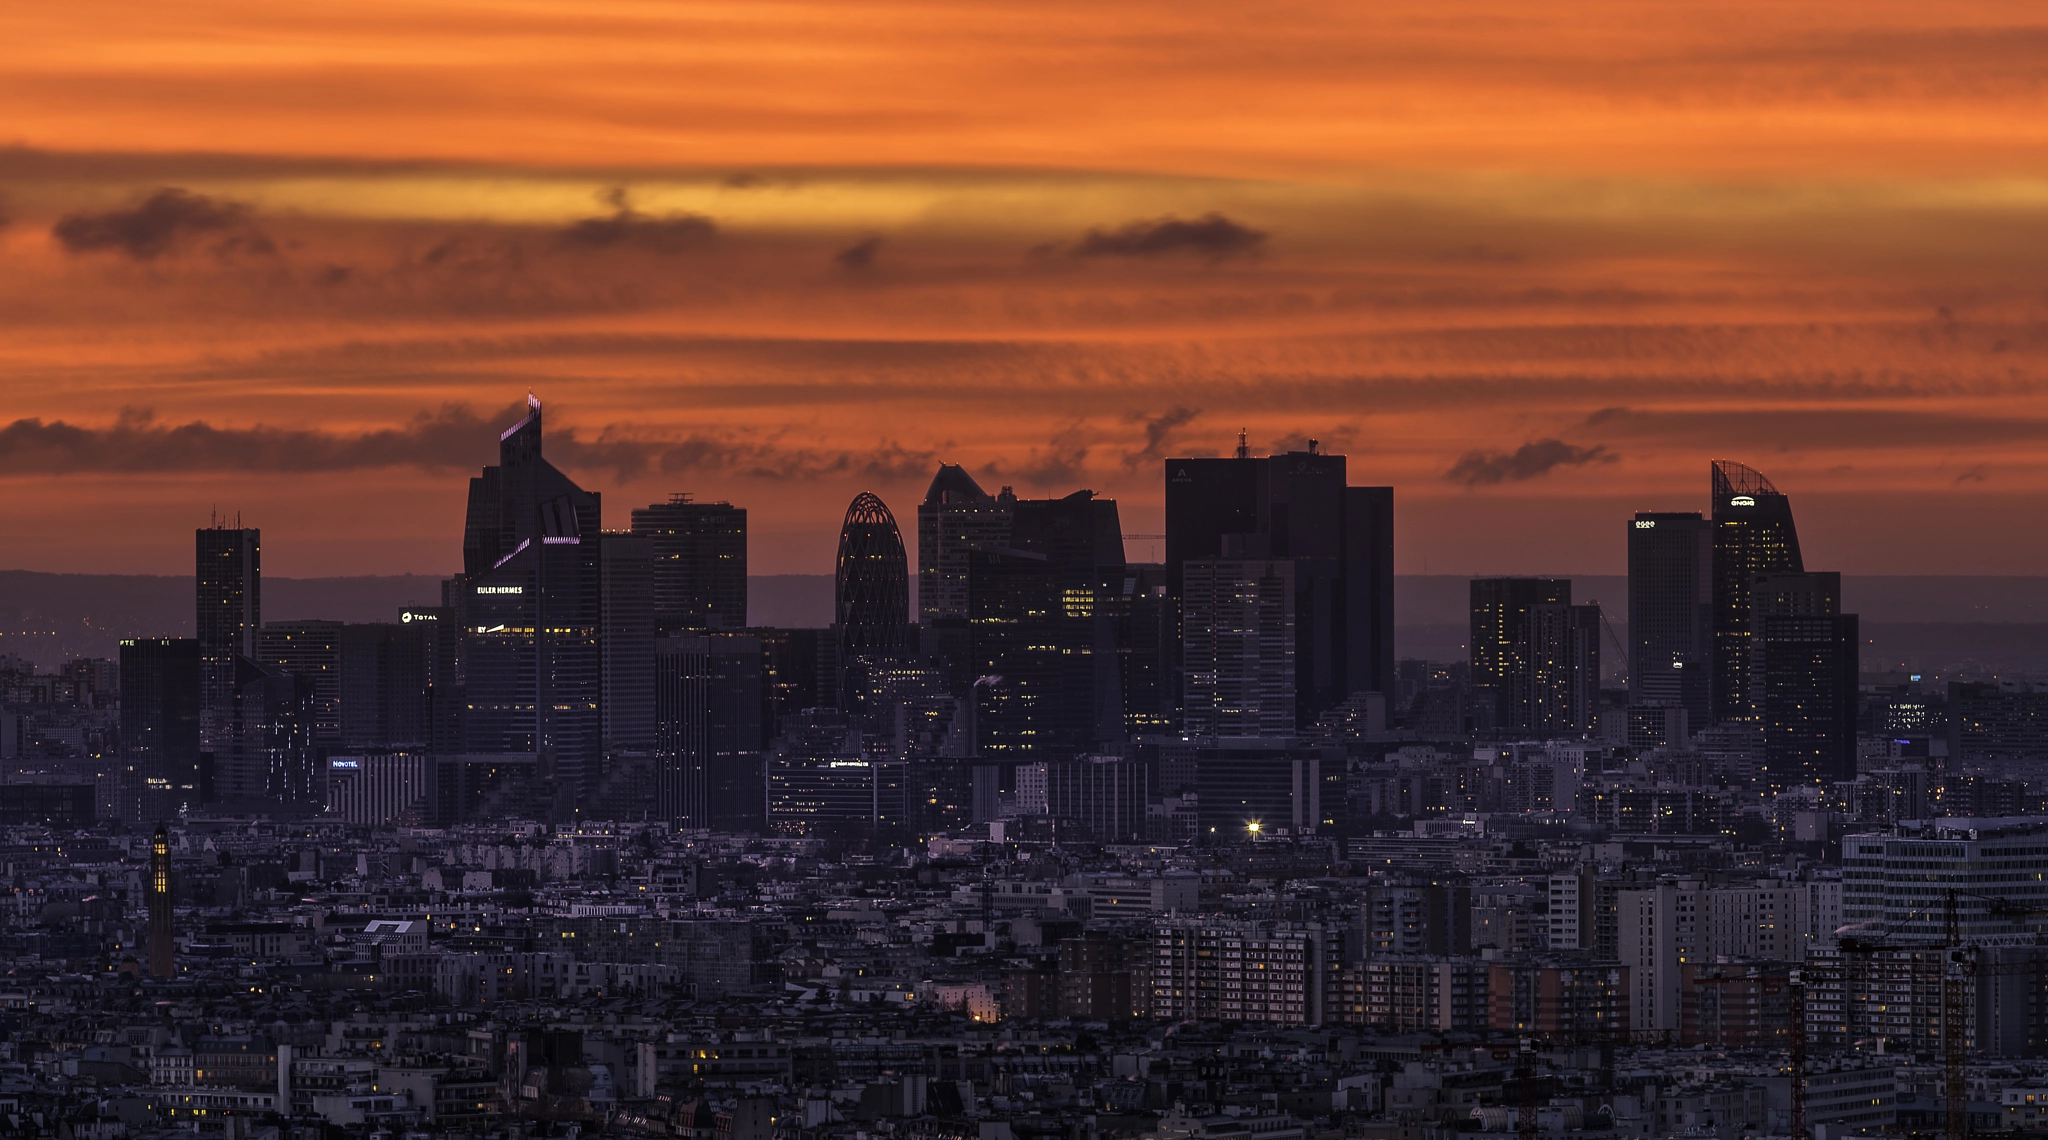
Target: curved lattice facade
<point>871,585</point>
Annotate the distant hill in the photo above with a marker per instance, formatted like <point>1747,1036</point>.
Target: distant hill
<point>1930,622</point>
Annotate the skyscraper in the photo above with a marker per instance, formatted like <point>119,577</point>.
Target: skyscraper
<point>386,671</point>
<point>1148,644</point>
<point>682,704</point>
<point>160,702</point>
<point>1564,669</point>
<point>630,624</point>
<point>1803,672</point>
<point>229,581</point>
<point>734,732</point>
<point>1502,655</point>
<point>1298,506</point>
<point>709,743</point>
<point>1045,616</point>
<point>1081,536</point>
<point>700,563</point>
<point>1670,576</point>
<point>1369,590</point>
<point>1238,646</point>
<point>310,649</point>
<point>276,762</point>
<point>1015,622</point>
<point>955,517</point>
<point>1753,536</point>
<point>870,590</point>
<point>529,606</point>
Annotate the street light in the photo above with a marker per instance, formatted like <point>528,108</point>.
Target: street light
<point>1253,827</point>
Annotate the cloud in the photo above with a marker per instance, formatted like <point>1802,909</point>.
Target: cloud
<point>158,223</point>
<point>1487,468</point>
<point>1158,430</point>
<point>1064,459</point>
<point>1810,429</point>
<point>455,437</point>
<point>1212,235</point>
<point>860,255</point>
<point>137,441</point>
<point>630,229</point>
<point>766,459</point>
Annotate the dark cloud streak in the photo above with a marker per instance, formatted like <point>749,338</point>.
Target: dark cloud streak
<point>860,255</point>
<point>627,228</point>
<point>1541,457</point>
<point>453,438</point>
<point>1212,236</point>
<point>156,224</point>
<point>1159,430</point>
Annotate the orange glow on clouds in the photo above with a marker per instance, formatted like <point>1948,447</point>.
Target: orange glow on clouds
<point>780,252</point>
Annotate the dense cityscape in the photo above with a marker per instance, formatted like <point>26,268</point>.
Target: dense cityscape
<point>1033,842</point>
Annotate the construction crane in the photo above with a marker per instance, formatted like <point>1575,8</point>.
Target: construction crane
<point>1959,968</point>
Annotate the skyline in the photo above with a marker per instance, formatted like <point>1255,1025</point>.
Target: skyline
<point>795,552</point>
<point>1505,258</point>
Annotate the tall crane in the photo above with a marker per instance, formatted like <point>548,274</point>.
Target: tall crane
<point>1959,967</point>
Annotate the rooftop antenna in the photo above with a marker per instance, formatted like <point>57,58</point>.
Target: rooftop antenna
<point>1244,449</point>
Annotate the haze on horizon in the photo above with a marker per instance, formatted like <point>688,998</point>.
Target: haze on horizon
<point>1533,267</point>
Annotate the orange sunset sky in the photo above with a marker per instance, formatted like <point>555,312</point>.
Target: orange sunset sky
<point>1532,263</point>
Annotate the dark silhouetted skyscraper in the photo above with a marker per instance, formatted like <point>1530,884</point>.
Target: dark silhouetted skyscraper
<point>1148,642</point>
<point>682,710</point>
<point>530,608</point>
<point>310,649</point>
<point>229,580</point>
<point>700,563</point>
<point>162,933</point>
<point>709,743</point>
<point>1369,590</point>
<point>1502,654</point>
<point>386,670</point>
<point>1238,646</point>
<point>1297,506</point>
<point>1016,632</point>
<point>629,632</point>
<point>276,762</point>
<point>1564,669</point>
<point>1535,656</point>
<point>1753,536</point>
<point>955,517</point>
<point>160,704</point>
<point>870,591</point>
<point>1045,616</point>
<point>1670,591</point>
<point>1803,656</point>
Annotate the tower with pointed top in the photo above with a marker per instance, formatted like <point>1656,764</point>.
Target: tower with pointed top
<point>530,607</point>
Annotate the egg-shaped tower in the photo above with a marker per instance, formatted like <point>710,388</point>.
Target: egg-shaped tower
<point>871,584</point>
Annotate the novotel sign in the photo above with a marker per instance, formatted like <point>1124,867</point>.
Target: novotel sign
<point>345,764</point>
<point>501,589</point>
